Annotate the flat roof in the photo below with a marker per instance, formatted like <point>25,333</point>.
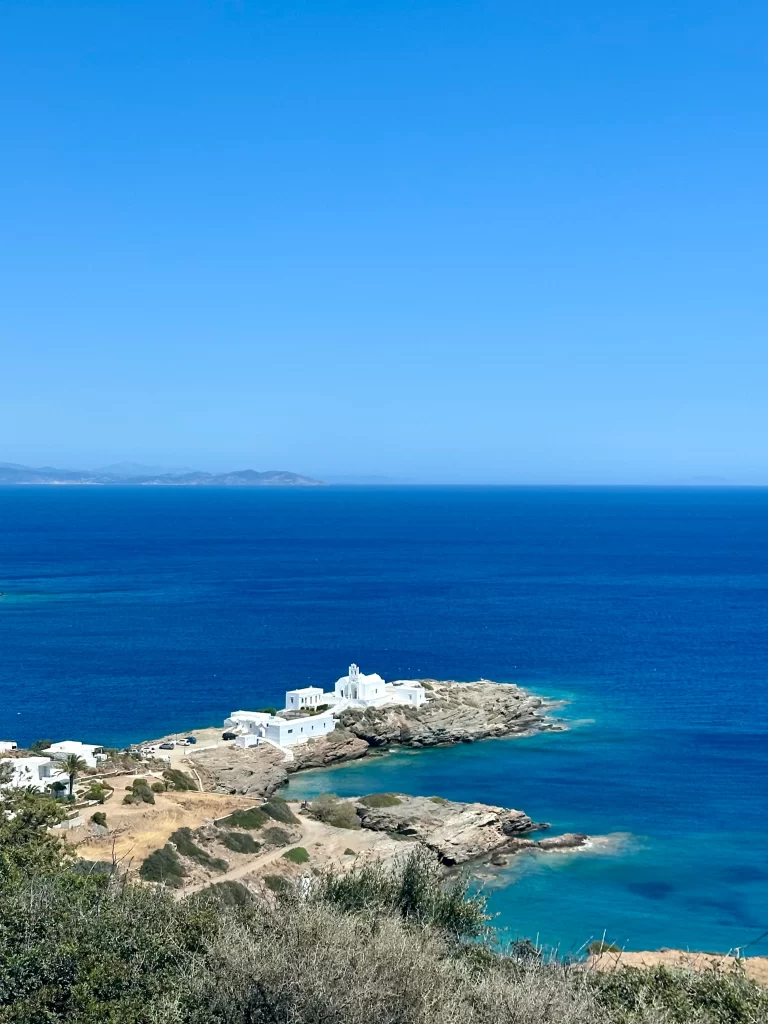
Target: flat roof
<point>306,689</point>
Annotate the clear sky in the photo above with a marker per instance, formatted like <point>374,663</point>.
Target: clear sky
<point>435,241</point>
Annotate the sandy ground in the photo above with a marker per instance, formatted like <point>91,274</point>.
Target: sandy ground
<point>135,830</point>
<point>756,967</point>
<point>325,845</point>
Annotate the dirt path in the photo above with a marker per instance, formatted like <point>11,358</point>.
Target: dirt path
<point>310,833</point>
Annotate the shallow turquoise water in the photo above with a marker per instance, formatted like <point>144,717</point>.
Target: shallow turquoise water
<point>661,879</point>
<point>129,613</point>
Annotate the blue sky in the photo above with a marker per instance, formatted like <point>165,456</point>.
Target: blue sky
<point>459,241</point>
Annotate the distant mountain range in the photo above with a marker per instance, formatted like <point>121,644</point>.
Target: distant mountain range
<point>130,474</point>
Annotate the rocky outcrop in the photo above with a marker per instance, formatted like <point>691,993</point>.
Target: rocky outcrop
<point>457,832</point>
<point>252,771</point>
<point>337,746</point>
<point>454,713</point>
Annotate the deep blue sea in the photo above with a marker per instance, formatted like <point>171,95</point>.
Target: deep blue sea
<point>128,613</point>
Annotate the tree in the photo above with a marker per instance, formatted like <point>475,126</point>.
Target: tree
<point>40,745</point>
<point>73,765</point>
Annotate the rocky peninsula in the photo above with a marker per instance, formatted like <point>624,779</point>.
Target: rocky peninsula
<point>454,713</point>
<point>458,832</point>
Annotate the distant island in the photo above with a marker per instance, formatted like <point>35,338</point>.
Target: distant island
<point>14,474</point>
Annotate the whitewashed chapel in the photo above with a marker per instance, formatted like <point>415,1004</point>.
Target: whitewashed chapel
<point>310,711</point>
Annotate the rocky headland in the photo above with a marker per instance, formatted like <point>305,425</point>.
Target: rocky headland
<point>454,713</point>
<point>459,832</point>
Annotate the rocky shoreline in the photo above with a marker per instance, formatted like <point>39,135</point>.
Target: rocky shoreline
<point>454,713</point>
<point>460,832</point>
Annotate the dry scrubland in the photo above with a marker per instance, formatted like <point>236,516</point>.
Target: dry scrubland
<point>82,943</point>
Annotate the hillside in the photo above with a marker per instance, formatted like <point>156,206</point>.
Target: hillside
<point>13,474</point>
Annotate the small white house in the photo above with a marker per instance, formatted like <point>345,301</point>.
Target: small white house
<point>6,745</point>
<point>408,690</point>
<point>303,699</point>
<point>34,772</point>
<point>91,753</point>
<point>247,721</point>
<point>248,739</point>
<point>288,732</point>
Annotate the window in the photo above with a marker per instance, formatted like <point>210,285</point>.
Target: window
<point>290,730</point>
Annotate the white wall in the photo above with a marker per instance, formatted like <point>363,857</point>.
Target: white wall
<point>37,772</point>
<point>287,734</point>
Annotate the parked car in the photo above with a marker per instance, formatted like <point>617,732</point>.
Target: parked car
<point>167,746</point>
<point>229,736</point>
<point>191,739</point>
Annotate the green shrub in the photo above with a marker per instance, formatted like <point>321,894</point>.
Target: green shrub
<point>276,883</point>
<point>438,800</point>
<point>179,780</point>
<point>339,813</point>
<point>142,791</point>
<point>130,798</point>
<point>163,866</point>
<point>99,818</point>
<point>251,819</point>
<point>276,836</point>
<point>414,889</point>
<point>349,852</point>
<point>158,787</point>
<point>187,847</point>
<point>240,842</point>
<point>601,946</point>
<point>278,809</point>
<point>97,791</point>
<point>679,996</point>
<point>231,894</point>
<point>298,855</point>
<point>381,800</point>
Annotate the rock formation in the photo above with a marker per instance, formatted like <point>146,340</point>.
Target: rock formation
<point>454,713</point>
<point>457,832</point>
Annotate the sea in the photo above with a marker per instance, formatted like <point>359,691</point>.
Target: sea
<point>128,613</point>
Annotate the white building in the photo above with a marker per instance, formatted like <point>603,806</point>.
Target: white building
<point>91,753</point>
<point>408,690</point>
<point>248,739</point>
<point>353,690</point>
<point>288,732</point>
<point>365,690</point>
<point>304,699</point>
<point>6,745</point>
<point>35,772</point>
<point>247,721</point>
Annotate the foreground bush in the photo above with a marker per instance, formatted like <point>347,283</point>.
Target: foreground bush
<point>371,947</point>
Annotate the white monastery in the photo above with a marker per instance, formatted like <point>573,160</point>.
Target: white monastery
<point>319,708</point>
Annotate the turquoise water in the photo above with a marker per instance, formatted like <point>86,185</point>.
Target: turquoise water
<point>129,613</point>
<point>662,879</point>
